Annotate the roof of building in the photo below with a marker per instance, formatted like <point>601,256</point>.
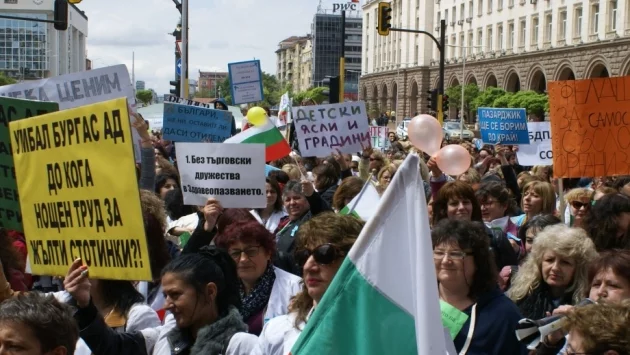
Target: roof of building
<point>291,41</point>
<point>212,74</point>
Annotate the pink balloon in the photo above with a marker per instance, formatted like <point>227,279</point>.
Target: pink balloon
<point>425,133</point>
<point>453,159</point>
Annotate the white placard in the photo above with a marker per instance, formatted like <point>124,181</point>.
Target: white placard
<point>380,139</point>
<point>234,174</point>
<point>246,82</point>
<point>244,72</point>
<point>538,152</point>
<point>248,92</point>
<point>80,89</point>
<point>323,129</point>
<point>179,100</point>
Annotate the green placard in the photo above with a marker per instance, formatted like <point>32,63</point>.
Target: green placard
<point>13,110</point>
<point>452,318</point>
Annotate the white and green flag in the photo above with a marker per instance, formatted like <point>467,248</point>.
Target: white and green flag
<point>363,205</point>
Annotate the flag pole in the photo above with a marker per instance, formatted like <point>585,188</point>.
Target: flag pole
<point>356,202</point>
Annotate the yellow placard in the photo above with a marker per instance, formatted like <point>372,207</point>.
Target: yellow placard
<point>78,191</point>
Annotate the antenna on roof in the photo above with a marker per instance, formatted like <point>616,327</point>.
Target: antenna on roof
<point>319,7</point>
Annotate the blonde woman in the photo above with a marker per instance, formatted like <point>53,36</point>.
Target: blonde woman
<point>539,197</point>
<point>293,171</point>
<point>386,175</point>
<point>579,202</point>
<point>555,273</point>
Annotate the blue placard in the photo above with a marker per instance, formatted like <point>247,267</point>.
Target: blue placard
<point>269,168</point>
<point>246,84</point>
<point>178,66</point>
<point>184,123</point>
<point>503,125</point>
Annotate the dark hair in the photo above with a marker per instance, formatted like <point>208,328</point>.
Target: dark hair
<point>280,176</point>
<point>277,206</point>
<point>470,235</point>
<point>349,188</point>
<point>120,294</point>
<point>510,155</point>
<point>246,232</point>
<point>620,182</point>
<point>601,222</point>
<point>50,321</point>
<point>209,264</point>
<point>499,192</point>
<point>330,160</point>
<point>326,176</point>
<point>174,203</point>
<point>617,260</point>
<point>233,215</point>
<point>154,219</point>
<point>161,150</point>
<point>538,222</point>
<point>455,189</point>
<point>162,178</point>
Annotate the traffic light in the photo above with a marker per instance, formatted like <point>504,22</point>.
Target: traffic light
<point>61,15</point>
<point>384,18</point>
<point>177,85</point>
<point>433,99</point>
<point>332,82</point>
<point>444,103</point>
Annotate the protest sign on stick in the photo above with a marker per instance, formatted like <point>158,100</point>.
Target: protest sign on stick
<point>590,127</point>
<point>538,151</point>
<point>79,192</point>
<point>323,129</point>
<point>196,124</point>
<point>234,174</point>
<point>13,110</point>
<point>503,125</point>
<point>379,137</point>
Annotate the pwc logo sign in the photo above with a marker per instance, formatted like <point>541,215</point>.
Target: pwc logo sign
<point>350,6</point>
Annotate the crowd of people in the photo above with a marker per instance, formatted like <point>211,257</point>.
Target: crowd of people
<point>507,245</point>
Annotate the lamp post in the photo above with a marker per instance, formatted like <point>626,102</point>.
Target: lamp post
<point>463,99</point>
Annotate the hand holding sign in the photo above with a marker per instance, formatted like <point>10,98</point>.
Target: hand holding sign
<point>211,212</point>
<point>77,283</point>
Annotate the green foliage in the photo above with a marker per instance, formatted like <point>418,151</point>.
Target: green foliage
<point>503,101</point>
<point>534,103</point>
<point>315,94</point>
<point>471,91</point>
<point>144,96</point>
<point>5,80</point>
<point>486,98</point>
<point>204,93</point>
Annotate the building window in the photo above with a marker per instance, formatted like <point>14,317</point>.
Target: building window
<point>446,15</point>
<point>577,20</point>
<point>522,33</point>
<point>461,12</point>
<point>437,21</point>
<point>415,54</point>
<point>500,39</point>
<point>535,25</point>
<point>454,41</point>
<point>612,15</point>
<point>461,44</point>
<point>489,40</point>
<point>594,19</point>
<point>367,21</point>
<point>479,41</point>
<point>510,3</point>
<point>511,34</point>
<point>548,27</point>
<point>480,7</point>
<point>470,8</point>
<point>499,5</point>
<point>562,25</point>
<point>490,6</point>
<point>454,14</point>
<point>470,43</point>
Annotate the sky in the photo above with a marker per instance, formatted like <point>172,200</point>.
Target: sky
<point>221,31</point>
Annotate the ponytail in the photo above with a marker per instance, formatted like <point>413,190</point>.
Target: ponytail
<point>210,264</point>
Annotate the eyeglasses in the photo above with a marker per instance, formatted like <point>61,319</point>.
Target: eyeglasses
<point>453,255</point>
<point>324,254</point>
<point>577,204</point>
<point>250,252</point>
<point>373,159</point>
<point>488,203</point>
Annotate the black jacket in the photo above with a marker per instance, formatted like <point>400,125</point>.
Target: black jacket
<point>504,254</point>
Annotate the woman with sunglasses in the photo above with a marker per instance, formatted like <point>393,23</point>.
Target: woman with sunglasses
<point>579,201</point>
<point>265,290</point>
<point>322,243</point>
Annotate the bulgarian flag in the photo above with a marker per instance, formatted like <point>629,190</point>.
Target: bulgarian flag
<point>363,205</point>
<point>268,134</point>
<point>384,298</point>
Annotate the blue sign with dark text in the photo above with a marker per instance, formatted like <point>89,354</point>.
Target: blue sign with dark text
<point>184,123</point>
<point>503,125</point>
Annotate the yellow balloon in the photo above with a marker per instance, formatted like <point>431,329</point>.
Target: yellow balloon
<point>257,116</point>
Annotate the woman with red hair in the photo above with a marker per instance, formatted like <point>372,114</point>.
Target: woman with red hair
<point>265,290</point>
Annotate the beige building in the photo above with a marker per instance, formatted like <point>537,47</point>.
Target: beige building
<point>294,62</point>
<point>510,44</point>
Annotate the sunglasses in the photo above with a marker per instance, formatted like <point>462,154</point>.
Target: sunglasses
<point>577,204</point>
<point>324,254</point>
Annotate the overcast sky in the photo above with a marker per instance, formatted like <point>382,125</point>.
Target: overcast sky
<point>221,31</point>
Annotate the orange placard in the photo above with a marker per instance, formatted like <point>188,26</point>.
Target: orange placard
<point>590,127</point>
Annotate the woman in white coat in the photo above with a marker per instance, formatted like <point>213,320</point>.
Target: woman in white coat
<point>322,244</point>
<point>265,290</point>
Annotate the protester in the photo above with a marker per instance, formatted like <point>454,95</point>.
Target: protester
<point>579,201</point>
<point>609,222</point>
<point>322,244</point>
<point>34,324</point>
<point>349,188</point>
<point>273,215</point>
<point>599,329</point>
<point>466,276</point>
<point>538,198</point>
<point>265,290</point>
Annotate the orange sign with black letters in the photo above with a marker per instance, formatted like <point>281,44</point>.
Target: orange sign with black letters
<point>590,127</point>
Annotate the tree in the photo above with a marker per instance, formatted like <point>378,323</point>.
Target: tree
<point>5,80</point>
<point>534,103</point>
<point>272,91</point>
<point>486,98</point>
<point>144,96</point>
<point>454,93</point>
<point>204,93</point>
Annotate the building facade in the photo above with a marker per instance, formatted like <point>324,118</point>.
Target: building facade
<point>511,44</point>
<point>140,85</point>
<point>293,62</point>
<point>32,50</point>
<point>326,32</point>
<point>209,82</point>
